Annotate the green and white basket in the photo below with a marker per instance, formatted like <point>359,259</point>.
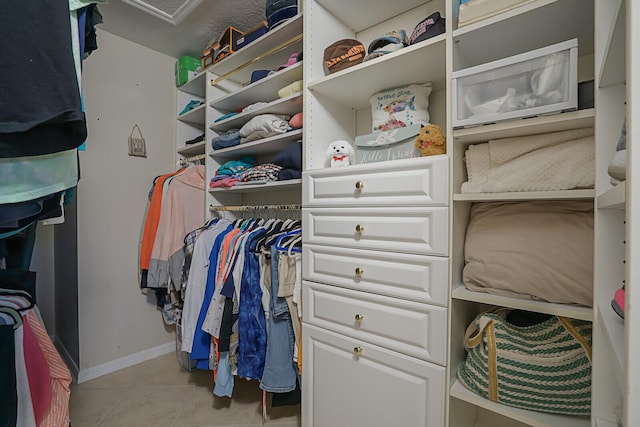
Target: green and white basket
<point>545,367</point>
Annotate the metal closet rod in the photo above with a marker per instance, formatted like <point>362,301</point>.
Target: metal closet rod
<point>256,59</point>
<point>290,207</point>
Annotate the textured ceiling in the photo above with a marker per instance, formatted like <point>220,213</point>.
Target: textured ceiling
<point>207,21</point>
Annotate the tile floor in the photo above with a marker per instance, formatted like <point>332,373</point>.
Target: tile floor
<point>160,393</point>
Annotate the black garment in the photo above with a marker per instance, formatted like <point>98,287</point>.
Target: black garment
<point>226,326</point>
<point>40,109</point>
<point>8,386</point>
<point>20,250</point>
<point>20,280</point>
<point>289,398</point>
<point>90,40</point>
<point>50,209</point>
<point>195,140</point>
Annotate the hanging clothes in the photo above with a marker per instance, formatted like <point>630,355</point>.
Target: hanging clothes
<point>36,40</point>
<point>226,326</point>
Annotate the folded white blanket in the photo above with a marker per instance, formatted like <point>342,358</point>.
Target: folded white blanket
<point>554,161</point>
<point>276,123</point>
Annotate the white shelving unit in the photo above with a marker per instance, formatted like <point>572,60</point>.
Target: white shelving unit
<point>506,34</point>
<point>229,89</point>
<point>375,235</point>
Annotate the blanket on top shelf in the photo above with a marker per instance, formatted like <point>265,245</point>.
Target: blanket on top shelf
<point>554,161</point>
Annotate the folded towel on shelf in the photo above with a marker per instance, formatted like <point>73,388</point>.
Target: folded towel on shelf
<point>254,106</point>
<point>259,134</point>
<point>554,161</point>
<point>278,123</point>
<point>225,140</point>
<point>225,182</point>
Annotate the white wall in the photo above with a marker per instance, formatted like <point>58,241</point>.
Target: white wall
<point>123,83</point>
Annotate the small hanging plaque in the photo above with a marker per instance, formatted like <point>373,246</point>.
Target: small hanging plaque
<point>137,146</point>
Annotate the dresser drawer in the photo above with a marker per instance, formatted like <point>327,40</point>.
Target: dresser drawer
<point>416,329</point>
<point>351,383</point>
<point>415,277</point>
<point>407,230</point>
<point>422,181</point>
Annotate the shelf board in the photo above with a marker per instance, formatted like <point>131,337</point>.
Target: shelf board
<point>262,147</point>
<point>192,150</point>
<point>571,311</point>
<point>526,195</point>
<point>265,89</point>
<point>195,116</point>
<point>485,40</point>
<point>603,423</point>
<point>613,328</point>
<point>257,48</point>
<point>361,14</point>
<point>354,86</point>
<point>532,418</point>
<point>195,86</point>
<point>613,198</point>
<point>529,126</point>
<point>613,67</point>
<point>270,186</point>
<point>289,106</point>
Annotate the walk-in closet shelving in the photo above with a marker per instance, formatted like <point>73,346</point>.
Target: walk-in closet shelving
<point>616,348</point>
<point>375,235</point>
<point>515,31</point>
<point>192,123</point>
<point>229,90</point>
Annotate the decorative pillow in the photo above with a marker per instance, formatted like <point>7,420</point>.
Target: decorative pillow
<point>533,250</point>
<point>400,107</point>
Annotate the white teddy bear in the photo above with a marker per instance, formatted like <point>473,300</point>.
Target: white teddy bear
<point>339,152</point>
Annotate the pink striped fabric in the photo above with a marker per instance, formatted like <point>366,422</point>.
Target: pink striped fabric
<point>58,413</point>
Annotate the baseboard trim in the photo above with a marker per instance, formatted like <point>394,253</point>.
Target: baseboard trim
<point>66,357</point>
<point>124,362</point>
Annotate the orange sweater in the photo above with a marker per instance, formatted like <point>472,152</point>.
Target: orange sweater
<point>151,222</point>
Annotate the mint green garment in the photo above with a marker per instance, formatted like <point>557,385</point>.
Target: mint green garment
<point>27,178</point>
<point>79,4</point>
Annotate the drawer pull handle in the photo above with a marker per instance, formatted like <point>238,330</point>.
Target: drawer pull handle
<point>357,350</point>
<point>359,228</point>
<point>359,317</point>
<point>359,271</point>
<point>359,185</point>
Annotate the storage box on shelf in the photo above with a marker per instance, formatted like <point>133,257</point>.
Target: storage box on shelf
<point>533,83</point>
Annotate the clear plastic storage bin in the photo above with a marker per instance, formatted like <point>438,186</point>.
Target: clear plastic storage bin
<point>542,81</point>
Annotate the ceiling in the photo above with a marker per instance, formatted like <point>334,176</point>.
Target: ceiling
<point>198,23</point>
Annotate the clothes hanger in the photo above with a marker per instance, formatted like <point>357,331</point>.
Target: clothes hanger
<point>279,244</point>
<point>293,246</point>
<point>13,313</point>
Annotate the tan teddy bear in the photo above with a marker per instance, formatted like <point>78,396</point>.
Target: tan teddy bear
<point>431,141</point>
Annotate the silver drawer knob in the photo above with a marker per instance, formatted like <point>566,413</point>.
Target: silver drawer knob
<point>359,185</point>
<point>357,350</point>
<point>359,317</point>
<point>359,228</point>
<point>359,271</point>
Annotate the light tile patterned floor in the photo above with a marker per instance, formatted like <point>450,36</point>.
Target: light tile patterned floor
<point>159,393</point>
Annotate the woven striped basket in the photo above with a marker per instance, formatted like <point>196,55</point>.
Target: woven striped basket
<point>545,367</point>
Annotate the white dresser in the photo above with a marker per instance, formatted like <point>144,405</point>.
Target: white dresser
<point>375,250</point>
